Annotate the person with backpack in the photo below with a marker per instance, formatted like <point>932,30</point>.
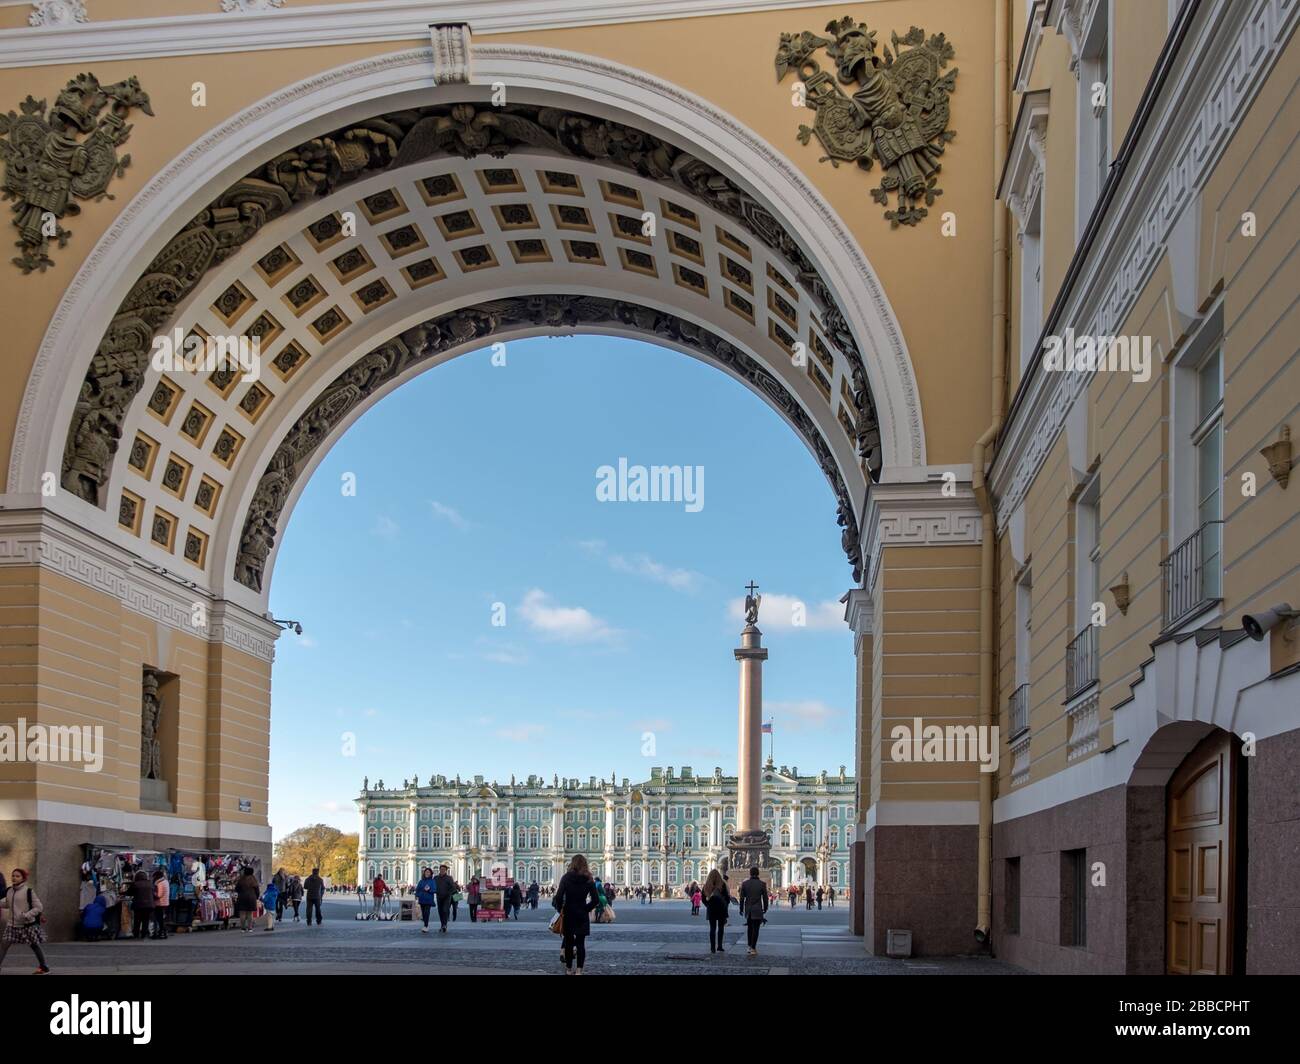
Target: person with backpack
<point>314,889</point>
<point>717,903</point>
<point>24,916</point>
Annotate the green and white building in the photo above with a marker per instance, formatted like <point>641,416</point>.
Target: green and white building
<point>669,829</point>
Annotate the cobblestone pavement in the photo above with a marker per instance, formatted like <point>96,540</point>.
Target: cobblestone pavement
<point>653,939</point>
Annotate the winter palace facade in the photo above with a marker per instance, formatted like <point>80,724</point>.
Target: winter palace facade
<point>670,829</point>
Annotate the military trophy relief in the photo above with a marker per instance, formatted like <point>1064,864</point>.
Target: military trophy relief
<point>58,155</point>
<point>895,112</point>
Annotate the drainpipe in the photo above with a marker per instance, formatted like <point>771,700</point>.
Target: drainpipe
<point>988,545</point>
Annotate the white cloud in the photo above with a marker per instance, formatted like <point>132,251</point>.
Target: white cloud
<point>570,624</point>
<point>449,514</point>
<point>386,528</point>
<point>521,733</point>
<point>654,724</point>
<point>644,566</point>
<point>782,611</point>
<point>306,642</point>
<point>808,714</point>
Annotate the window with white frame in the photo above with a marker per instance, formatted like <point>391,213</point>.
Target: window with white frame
<point>1207,441</point>
<point>1094,112</point>
<point>1024,625</point>
<point>1087,553</point>
<point>1031,278</point>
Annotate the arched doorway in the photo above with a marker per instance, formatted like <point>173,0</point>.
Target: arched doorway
<point>1204,887</point>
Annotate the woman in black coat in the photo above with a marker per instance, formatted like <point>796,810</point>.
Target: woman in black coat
<point>247,892</point>
<point>575,897</point>
<point>717,901</point>
<point>142,902</point>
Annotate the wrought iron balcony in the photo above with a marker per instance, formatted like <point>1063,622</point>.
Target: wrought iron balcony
<point>1191,574</point>
<point>1018,706</point>
<point>1081,662</point>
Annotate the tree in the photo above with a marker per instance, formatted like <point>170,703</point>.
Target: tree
<point>318,846</point>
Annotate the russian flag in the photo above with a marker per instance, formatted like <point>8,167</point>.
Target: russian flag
<point>766,728</point>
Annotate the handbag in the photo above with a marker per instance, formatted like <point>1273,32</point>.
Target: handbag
<point>458,897</point>
<point>607,915</point>
<point>557,923</point>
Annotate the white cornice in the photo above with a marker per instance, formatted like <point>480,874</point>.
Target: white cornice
<point>1029,47</point>
<point>1022,178</point>
<point>42,538</point>
<point>242,30</point>
<point>1228,52</point>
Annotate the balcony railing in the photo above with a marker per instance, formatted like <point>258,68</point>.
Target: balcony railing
<point>1081,662</point>
<point>1191,574</point>
<point>1018,706</point>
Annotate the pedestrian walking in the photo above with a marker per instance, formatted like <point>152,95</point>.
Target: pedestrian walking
<point>753,907</point>
<point>246,894</point>
<point>830,897</point>
<point>142,899</point>
<point>794,894</point>
<point>378,888</point>
<point>808,896</point>
<point>717,905</point>
<point>532,894</point>
<point>426,896</point>
<point>281,883</point>
<point>314,890</point>
<point>162,899</point>
<point>295,894</point>
<point>819,899</point>
<point>575,897</point>
<point>516,898</point>
<point>474,898</point>
<point>24,915</point>
<point>445,887</point>
<point>697,896</point>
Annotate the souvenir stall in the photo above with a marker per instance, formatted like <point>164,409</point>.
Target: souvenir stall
<point>202,884</point>
<point>109,870</point>
<point>494,890</point>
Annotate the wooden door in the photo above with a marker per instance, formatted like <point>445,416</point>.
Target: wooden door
<point>1201,801</point>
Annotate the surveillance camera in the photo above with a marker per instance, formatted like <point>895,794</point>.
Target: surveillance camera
<point>1258,624</point>
<point>297,628</point>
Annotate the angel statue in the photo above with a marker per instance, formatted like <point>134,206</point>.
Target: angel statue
<point>751,603</point>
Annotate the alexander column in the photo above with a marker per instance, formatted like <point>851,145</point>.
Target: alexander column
<point>750,845</point>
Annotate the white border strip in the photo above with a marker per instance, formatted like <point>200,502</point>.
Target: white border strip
<point>354,23</point>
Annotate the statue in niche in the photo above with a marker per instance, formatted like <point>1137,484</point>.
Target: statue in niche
<point>150,719</point>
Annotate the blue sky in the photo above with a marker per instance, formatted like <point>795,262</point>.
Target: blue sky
<point>476,486</point>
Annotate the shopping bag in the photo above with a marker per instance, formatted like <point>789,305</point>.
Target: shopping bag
<point>268,918</point>
<point>608,916</point>
<point>557,923</point>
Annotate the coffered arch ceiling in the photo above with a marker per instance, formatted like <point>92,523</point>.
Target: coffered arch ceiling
<point>472,224</point>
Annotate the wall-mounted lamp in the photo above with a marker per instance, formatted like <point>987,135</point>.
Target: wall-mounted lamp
<point>1278,456</point>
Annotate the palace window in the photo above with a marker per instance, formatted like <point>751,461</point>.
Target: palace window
<point>808,836</point>
<point>672,836</point>
<point>569,839</point>
<point>595,838</point>
<point>833,873</point>
<point>636,871</point>
<point>503,838</point>
<point>1192,571</point>
<point>834,837</point>
<point>636,837</point>
<point>688,836</point>
<point>785,836</point>
<point>533,836</point>
<point>620,839</point>
<point>397,840</point>
<point>1094,128</point>
<point>384,839</point>
<point>546,837</point>
<point>521,838</point>
<point>464,836</point>
<point>424,838</point>
<point>704,836</point>
<point>370,838</point>
<point>654,838</point>
<point>729,811</point>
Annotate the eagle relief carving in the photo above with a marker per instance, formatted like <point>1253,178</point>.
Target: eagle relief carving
<point>48,167</point>
<point>897,114</point>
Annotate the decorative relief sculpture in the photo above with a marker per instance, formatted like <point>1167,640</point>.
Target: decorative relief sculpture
<point>897,115</point>
<point>47,168</point>
<point>319,166</point>
<point>150,719</point>
<point>466,325</point>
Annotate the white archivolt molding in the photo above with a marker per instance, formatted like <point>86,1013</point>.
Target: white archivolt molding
<point>405,79</point>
